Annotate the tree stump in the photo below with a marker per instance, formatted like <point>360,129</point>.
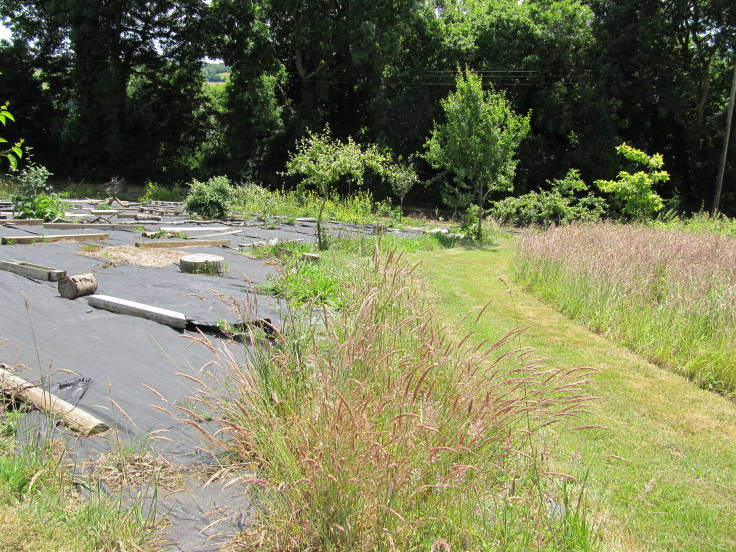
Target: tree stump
<point>202,263</point>
<point>78,285</point>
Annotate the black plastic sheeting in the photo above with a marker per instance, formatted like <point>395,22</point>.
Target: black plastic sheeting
<point>104,362</point>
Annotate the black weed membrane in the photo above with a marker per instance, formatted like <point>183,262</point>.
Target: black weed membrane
<point>142,378</point>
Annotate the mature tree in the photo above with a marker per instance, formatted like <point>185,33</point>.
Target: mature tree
<point>478,140</point>
<point>111,66</point>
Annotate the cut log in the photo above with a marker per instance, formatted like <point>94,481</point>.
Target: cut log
<point>30,270</point>
<point>70,415</point>
<point>123,306</point>
<point>48,238</point>
<point>78,285</point>
<point>182,243</point>
<point>202,263</point>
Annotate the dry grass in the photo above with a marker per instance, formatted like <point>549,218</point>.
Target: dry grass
<point>669,295</point>
<point>376,431</point>
<point>127,254</point>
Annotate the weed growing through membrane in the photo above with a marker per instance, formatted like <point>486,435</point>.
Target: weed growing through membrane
<point>669,295</point>
<point>374,430</point>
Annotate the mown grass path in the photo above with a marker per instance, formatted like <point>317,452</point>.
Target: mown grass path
<point>663,476</point>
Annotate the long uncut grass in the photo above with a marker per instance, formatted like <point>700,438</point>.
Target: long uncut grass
<point>668,295</point>
<point>373,430</point>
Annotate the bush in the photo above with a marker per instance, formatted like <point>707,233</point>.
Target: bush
<point>33,197</point>
<point>633,192</point>
<point>158,192</point>
<point>211,199</point>
<point>42,206</point>
<point>559,205</point>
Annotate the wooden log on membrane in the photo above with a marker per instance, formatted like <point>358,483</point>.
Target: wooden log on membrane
<point>202,263</point>
<point>182,243</point>
<point>123,306</point>
<point>48,238</point>
<point>78,285</point>
<point>31,270</point>
<point>70,415</point>
<point>25,222</point>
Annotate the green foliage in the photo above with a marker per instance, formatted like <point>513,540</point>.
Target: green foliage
<point>633,192</point>
<point>32,180</point>
<point>33,197</point>
<point>42,206</point>
<point>478,141</point>
<point>159,192</point>
<point>252,199</point>
<point>402,179</point>
<point>323,161</point>
<point>211,199</point>
<point>559,205</point>
<point>13,153</point>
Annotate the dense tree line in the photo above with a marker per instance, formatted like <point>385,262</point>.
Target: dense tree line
<point>116,88</point>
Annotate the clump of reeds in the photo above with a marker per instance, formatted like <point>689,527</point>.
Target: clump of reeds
<point>376,430</point>
<point>669,295</point>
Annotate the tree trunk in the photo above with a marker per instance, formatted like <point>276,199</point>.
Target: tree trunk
<point>320,245</point>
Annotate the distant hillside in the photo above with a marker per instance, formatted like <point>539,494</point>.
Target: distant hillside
<point>215,72</point>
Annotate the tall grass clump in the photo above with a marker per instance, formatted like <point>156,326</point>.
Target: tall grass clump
<point>252,199</point>
<point>375,430</point>
<point>666,294</point>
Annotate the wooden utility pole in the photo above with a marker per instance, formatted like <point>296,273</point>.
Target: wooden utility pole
<point>722,169</point>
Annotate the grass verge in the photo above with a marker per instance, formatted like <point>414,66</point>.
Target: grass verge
<point>42,507</point>
<point>665,294</point>
<point>662,463</point>
<point>373,430</point>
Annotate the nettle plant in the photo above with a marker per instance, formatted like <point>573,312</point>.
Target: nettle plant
<point>633,192</point>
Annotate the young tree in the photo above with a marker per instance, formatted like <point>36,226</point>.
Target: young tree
<point>402,179</point>
<point>323,161</point>
<point>634,191</point>
<point>478,141</point>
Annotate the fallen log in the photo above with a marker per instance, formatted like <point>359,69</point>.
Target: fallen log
<point>79,285</point>
<point>70,415</point>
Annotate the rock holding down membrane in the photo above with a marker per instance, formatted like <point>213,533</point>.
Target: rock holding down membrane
<point>78,285</point>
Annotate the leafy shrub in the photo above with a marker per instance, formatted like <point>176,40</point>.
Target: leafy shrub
<point>559,205</point>
<point>211,199</point>
<point>633,192</point>
<point>158,192</point>
<point>33,197</point>
<point>32,180</point>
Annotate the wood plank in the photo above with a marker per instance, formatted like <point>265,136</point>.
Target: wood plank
<point>72,416</point>
<point>25,222</point>
<point>181,243</point>
<point>194,228</point>
<point>49,238</point>
<point>104,212</point>
<point>39,272</point>
<point>90,225</point>
<point>123,306</point>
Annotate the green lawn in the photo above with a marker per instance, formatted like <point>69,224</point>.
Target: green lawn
<point>663,476</point>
